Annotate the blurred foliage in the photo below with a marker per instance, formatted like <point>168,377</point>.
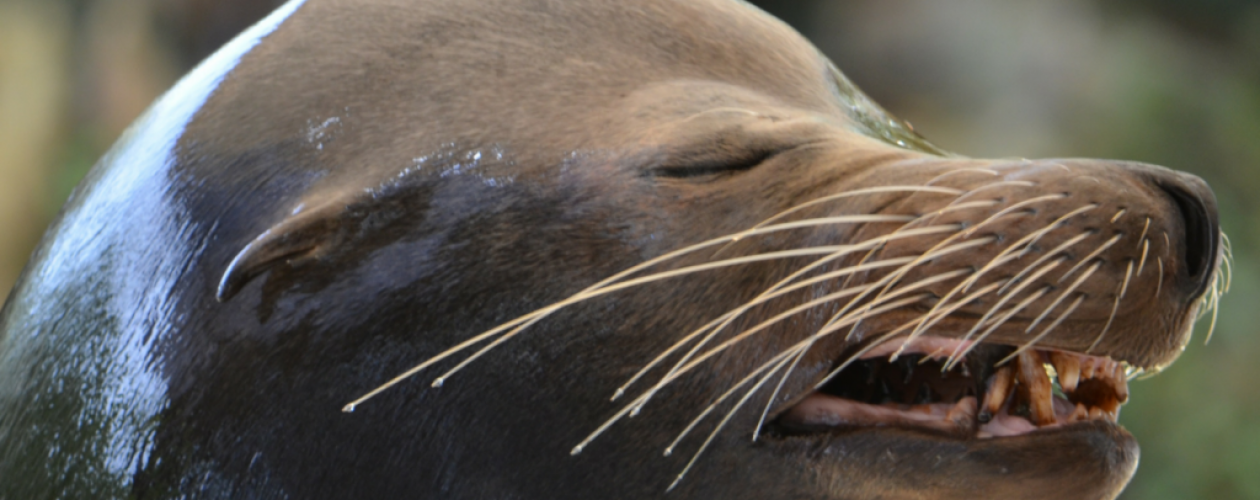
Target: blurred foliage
<point>1162,81</point>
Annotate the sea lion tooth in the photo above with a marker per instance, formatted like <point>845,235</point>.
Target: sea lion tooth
<point>1120,383</point>
<point>963,413</point>
<point>1033,377</point>
<point>1096,413</point>
<point>1068,367</point>
<point>1080,413</point>
<point>1000,385</point>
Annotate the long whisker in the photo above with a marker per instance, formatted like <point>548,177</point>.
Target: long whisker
<point>971,230</point>
<point>771,293</point>
<point>535,315</point>
<point>765,412</point>
<point>823,332</point>
<point>1023,304</point>
<point>1146,247</point>
<point>1075,284</point>
<point>970,280</point>
<point>721,425</point>
<point>1101,248</point>
<point>782,254</point>
<point>1124,288</point>
<point>1032,278</point>
<point>1053,325</point>
<point>880,240</point>
<point>1055,252</point>
<point>846,194</point>
<point>1027,242</point>
<point>777,362</point>
<point>936,315</point>
<point>642,398</point>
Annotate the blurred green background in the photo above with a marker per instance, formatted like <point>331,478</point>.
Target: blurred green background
<point>1176,83</point>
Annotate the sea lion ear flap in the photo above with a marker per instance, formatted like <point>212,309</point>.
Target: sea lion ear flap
<point>299,237</point>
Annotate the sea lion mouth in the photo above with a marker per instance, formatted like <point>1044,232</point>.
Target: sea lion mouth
<point>991,391</point>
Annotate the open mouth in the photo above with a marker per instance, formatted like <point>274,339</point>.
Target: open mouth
<point>987,393</point>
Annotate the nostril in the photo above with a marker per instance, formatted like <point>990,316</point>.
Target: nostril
<point>1200,229</point>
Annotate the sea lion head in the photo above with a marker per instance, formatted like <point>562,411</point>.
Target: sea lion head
<point>617,249</point>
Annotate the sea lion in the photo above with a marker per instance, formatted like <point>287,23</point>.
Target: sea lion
<point>538,206</point>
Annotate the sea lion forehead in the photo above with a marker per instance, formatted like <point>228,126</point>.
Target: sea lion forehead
<point>539,79</point>
<point>485,58</point>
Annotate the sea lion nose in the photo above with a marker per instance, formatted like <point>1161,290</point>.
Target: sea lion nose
<point>1197,206</point>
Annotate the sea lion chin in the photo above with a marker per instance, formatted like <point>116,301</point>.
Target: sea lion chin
<point>470,224</point>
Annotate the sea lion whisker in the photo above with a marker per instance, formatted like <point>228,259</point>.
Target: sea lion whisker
<point>1142,237</point>
<point>771,293</point>
<point>772,365</point>
<point>971,230</point>
<point>872,344</point>
<point>1023,304</point>
<point>642,398</point>
<point>906,226</point>
<point>992,185</point>
<point>1118,214</point>
<point>1115,306</point>
<point>781,254</point>
<point>1071,308</point>
<point>664,354</point>
<point>544,311</point>
<point>1146,247</point>
<point>833,197</point>
<point>887,306</point>
<point>1159,280</point>
<point>891,278</point>
<point>966,284</point>
<point>1101,248</point>
<point>1026,242</point>
<point>722,424</point>
<point>686,364</point>
<point>1055,252</point>
<point>935,315</point>
<point>861,266</point>
<point>1002,300</point>
<point>1075,284</point>
<point>765,412</point>
<point>971,170</point>
<point>1214,305</point>
<point>935,214</point>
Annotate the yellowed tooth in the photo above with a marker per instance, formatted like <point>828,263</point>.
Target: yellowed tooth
<point>1036,382</point>
<point>963,413</point>
<point>999,389</point>
<point>1120,384</point>
<point>1068,367</point>
<point>1096,413</point>
<point>1079,414</point>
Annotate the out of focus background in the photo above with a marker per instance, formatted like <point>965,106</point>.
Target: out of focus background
<point>1170,82</point>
